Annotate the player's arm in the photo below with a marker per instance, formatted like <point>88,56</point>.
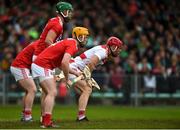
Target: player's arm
<point>50,37</point>
<point>65,65</point>
<point>93,62</point>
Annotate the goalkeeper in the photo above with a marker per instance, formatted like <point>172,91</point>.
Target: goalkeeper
<point>86,63</point>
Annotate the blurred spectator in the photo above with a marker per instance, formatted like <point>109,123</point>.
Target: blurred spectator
<point>175,65</point>
<point>149,83</point>
<point>116,79</point>
<point>130,65</point>
<point>144,66</point>
<point>157,66</point>
<point>162,81</point>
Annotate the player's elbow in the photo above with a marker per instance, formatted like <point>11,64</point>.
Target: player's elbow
<point>64,64</point>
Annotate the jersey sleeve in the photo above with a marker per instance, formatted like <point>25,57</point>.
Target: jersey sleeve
<point>57,29</point>
<point>101,54</point>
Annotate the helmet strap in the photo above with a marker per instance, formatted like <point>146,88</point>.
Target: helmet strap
<point>112,51</point>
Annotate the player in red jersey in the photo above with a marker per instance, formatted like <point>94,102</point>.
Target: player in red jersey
<point>56,56</point>
<point>20,68</point>
<point>54,28</point>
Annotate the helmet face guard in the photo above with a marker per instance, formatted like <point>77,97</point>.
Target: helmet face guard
<point>82,39</point>
<point>65,9</point>
<point>67,15</point>
<point>115,51</point>
<point>115,45</point>
<point>81,34</point>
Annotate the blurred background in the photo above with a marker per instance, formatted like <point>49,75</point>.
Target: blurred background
<point>146,73</point>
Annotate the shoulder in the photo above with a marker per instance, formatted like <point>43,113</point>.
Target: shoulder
<point>70,41</point>
<point>103,47</point>
<point>99,48</point>
<point>31,45</point>
<point>54,19</point>
<point>101,52</point>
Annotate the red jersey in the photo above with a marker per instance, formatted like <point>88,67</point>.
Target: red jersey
<point>52,56</point>
<point>24,58</point>
<point>54,24</point>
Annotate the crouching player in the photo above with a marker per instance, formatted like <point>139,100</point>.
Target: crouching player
<point>91,58</point>
<point>56,56</point>
<point>20,68</point>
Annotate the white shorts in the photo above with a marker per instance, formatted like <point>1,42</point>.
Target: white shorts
<point>41,73</point>
<point>74,67</point>
<point>20,73</point>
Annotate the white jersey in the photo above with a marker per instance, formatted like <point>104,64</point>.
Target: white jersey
<point>100,51</point>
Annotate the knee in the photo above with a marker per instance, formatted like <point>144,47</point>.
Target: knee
<point>53,93</point>
<point>88,90</point>
<point>33,90</point>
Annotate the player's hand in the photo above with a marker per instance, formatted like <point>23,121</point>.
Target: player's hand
<point>58,78</point>
<point>78,74</point>
<point>69,84</point>
<point>66,82</point>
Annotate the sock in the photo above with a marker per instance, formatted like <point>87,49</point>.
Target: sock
<point>46,119</point>
<point>81,114</point>
<point>27,114</point>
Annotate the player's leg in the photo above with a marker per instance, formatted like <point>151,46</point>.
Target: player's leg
<point>29,86</point>
<point>49,87</point>
<point>23,77</point>
<point>43,95</point>
<point>86,91</point>
<point>23,105</point>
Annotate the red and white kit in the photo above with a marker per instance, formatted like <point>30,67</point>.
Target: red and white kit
<point>20,67</point>
<point>81,61</point>
<point>51,58</point>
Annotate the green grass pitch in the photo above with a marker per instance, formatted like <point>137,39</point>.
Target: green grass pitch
<point>100,117</point>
